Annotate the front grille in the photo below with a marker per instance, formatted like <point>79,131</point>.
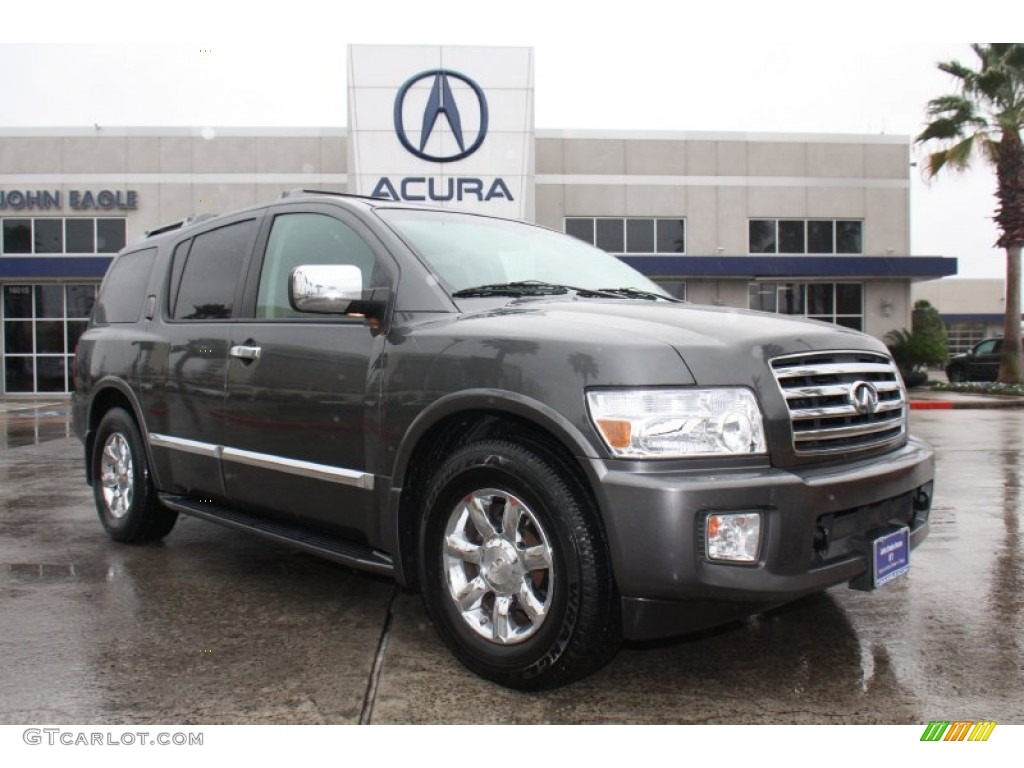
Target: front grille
<point>841,401</point>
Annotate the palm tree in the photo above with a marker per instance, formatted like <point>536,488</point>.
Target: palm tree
<point>985,116</point>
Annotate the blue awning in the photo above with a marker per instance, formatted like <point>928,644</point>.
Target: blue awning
<point>761,267</point>
<point>53,267</point>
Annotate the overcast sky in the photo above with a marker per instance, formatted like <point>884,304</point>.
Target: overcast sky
<point>864,67</point>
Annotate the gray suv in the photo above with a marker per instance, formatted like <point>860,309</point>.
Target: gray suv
<point>554,451</point>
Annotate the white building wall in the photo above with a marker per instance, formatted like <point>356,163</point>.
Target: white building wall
<point>716,182</point>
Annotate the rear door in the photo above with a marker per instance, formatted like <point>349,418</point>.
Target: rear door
<point>186,361</point>
<point>302,404</point>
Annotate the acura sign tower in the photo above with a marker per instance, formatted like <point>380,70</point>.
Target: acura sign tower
<point>449,126</point>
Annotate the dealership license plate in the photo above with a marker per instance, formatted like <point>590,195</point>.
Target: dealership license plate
<point>891,556</point>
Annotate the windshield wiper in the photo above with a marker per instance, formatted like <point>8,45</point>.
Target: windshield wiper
<point>637,293</point>
<point>529,288</point>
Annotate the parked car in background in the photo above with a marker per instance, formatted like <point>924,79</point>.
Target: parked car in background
<point>980,363</point>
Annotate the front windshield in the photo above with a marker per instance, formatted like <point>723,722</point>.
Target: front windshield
<point>467,251</point>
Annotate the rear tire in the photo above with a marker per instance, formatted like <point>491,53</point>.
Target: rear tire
<point>125,498</point>
<point>514,567</point>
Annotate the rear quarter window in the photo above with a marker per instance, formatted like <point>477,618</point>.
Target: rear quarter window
<point>124,288</point>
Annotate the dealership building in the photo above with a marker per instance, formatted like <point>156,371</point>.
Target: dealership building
<point>805,224</point>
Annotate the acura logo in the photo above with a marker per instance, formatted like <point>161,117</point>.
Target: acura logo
<point>440,104</point>
<point>864,398</point>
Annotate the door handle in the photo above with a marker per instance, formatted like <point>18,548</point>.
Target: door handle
<point>245,352</point>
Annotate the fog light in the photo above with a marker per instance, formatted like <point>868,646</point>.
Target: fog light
<point>735,537</point>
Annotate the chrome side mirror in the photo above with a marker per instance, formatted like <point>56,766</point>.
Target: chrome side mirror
<point>329,289</point>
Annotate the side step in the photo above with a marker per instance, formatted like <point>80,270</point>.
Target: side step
<point>323,545</point>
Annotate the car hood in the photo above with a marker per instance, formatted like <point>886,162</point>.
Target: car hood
<point>710,340</point>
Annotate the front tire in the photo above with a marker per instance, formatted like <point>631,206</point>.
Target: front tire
<point>956,375</point>
<point>514,567</point>
<point>125,498</point>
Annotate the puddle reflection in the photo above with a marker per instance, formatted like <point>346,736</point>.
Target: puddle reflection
<point>33,423</point>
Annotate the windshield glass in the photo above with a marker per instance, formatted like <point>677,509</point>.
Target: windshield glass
<point>467,251</point>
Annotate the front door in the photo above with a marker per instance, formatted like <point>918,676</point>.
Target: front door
<point>303,389</point>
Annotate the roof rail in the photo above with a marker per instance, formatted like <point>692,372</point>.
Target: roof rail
<point>305,192</point>
<point>194,218</point>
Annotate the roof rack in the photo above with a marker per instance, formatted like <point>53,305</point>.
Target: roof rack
<point>305,192</point>
<point>195,218</point>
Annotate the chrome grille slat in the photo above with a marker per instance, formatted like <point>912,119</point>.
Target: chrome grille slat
<point>838,390</point>
<point>841,410</point>
<point>836,369</point>
<point>818,388</point>
<point>839,432</point>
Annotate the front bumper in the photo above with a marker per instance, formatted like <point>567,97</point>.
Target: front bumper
<point>815,522</point>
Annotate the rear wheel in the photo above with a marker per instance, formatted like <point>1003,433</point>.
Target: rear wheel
<point>514,567</point>
<point>125,498</point>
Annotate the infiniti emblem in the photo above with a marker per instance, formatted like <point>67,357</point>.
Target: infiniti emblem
<point>440,102</point>
<point>864,397</point>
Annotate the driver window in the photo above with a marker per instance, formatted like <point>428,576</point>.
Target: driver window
<point>306,238</point>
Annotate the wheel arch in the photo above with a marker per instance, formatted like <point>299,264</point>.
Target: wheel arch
<point>467,417</point>
<point>108,394</point>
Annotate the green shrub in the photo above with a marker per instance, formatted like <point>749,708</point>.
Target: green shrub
<point>926,344</point>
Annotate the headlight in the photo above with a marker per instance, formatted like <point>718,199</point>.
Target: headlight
<point>669,423</point>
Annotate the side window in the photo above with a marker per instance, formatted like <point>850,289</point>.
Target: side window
<point>307,238</point>
<point>211,272</point>
<point>124,288</point>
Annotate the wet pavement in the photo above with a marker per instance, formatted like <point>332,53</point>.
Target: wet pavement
<point>27,422</point>
<point>211,626</point>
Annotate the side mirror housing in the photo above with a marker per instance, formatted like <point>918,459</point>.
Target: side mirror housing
<point>334,289</point>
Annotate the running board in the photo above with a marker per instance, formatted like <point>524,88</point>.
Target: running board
<point>323,545</point>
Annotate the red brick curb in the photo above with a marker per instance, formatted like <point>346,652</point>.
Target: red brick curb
<point>931,405</point>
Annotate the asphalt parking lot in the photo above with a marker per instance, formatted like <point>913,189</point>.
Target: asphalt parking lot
<point>211,626</point>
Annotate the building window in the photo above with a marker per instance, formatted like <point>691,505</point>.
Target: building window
<point>79,236</point>
<point>17,236</point>
<point>675,288</point>
<point>838,303</point>
<point>806,236</point>
<point>41,326</point>
<point>631,236</point>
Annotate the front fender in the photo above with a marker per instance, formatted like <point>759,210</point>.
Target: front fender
<point>399,537</point>
<point>573,436</point>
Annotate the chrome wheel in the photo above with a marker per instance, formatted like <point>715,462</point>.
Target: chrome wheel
<point>513,566</point>
<point>116,475</point>
<point>125,498</point>
<point>498,566</point>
